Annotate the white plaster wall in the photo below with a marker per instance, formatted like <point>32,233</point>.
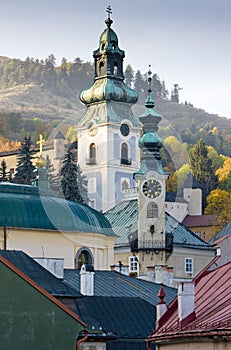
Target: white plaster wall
<point>51,244</point>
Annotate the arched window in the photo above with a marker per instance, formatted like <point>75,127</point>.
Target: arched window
<point>152,210</point>
<point>101,68</point>
<point>124,154</point>
<point>115,69</point>
<point>83,256</point>
<point>92,154</point>
<point>125,185</point>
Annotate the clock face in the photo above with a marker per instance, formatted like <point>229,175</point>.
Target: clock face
<point>92,129</point>
<point>152,188</point>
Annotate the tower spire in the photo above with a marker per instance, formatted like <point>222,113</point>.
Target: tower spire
<point>109,21</point>
<point>149,102</point>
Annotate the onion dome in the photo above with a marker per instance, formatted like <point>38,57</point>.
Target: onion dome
<point>109,78</point>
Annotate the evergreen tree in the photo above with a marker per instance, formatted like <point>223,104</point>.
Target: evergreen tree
<point>202,169</point>
<point>129,75</point>
<point>4,175</point>
<point>50,169</point>
<point>139,82</point>
<point>73,183</point>
<point>25,170</point>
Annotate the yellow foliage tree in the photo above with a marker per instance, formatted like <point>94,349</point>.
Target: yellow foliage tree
<point>219,204</point>
<point>224,171</point>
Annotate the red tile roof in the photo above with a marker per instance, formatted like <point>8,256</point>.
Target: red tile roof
<point>212,309</point>
<point>199,220</point>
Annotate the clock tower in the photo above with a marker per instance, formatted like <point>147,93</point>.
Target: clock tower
<point>108,133</point>
<point>151,179</point>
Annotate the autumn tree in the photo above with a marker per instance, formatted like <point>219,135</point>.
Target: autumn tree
<point>25,170</point>
<point>203,170</point>
<point>219,204</point>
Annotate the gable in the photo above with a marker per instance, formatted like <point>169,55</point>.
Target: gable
<point>30,318</point>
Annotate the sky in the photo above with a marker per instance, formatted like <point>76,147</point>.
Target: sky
<point>186,42</point>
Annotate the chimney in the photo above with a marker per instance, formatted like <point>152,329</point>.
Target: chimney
<point>87,280</point>
<point>185,300</point>
<point>161,307</point>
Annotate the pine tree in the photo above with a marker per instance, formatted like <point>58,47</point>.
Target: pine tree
<point>4,175</point>
<point>202,169</point>
<point>73,183</point>
<point>129,75</point>
<point>25,170</point>
<point>139,82</point>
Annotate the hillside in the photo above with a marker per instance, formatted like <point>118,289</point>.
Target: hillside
<point>32,100</point>
<point>182,116</point>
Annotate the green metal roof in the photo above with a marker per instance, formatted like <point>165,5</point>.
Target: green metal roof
<point>23,207</point>
<point>124,222</point>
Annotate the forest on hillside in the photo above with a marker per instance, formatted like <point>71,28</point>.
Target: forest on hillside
<point>69,77</point>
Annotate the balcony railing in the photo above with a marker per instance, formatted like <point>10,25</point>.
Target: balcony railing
<point>153,244</point>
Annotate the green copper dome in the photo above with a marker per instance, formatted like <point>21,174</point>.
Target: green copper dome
<point>150,140</point>
<point>23,207</point>
<point>109,78</point>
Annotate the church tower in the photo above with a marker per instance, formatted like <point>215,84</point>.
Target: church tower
<point>151,178</point>
<point>108,133</point>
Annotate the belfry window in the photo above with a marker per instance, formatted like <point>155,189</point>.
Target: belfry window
<point>152,210</point>
<point>115,69</point>
<point>101,68</point>
<point>124,154</point>
<point>92,154</point>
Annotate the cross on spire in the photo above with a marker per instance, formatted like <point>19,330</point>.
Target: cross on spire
<point>41,142</point>
<point>109,11</point>
<point>109,21</point>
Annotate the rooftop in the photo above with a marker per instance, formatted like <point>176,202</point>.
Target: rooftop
<point>114,284</point>
<point>212,308</point>
<point>39,274</point>
<point>199,220</point>
<point>127,224</point>
<point>24,207</point>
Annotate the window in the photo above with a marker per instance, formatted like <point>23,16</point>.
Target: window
<point>115,72</point>
<point>124,154</point>
<point>125,185</point>
<point>83,256</point>
<point>92,154</point>
<point>133,264</point>
<point>188,265</point>
<point>101,67</point>
<point>152,210</point>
